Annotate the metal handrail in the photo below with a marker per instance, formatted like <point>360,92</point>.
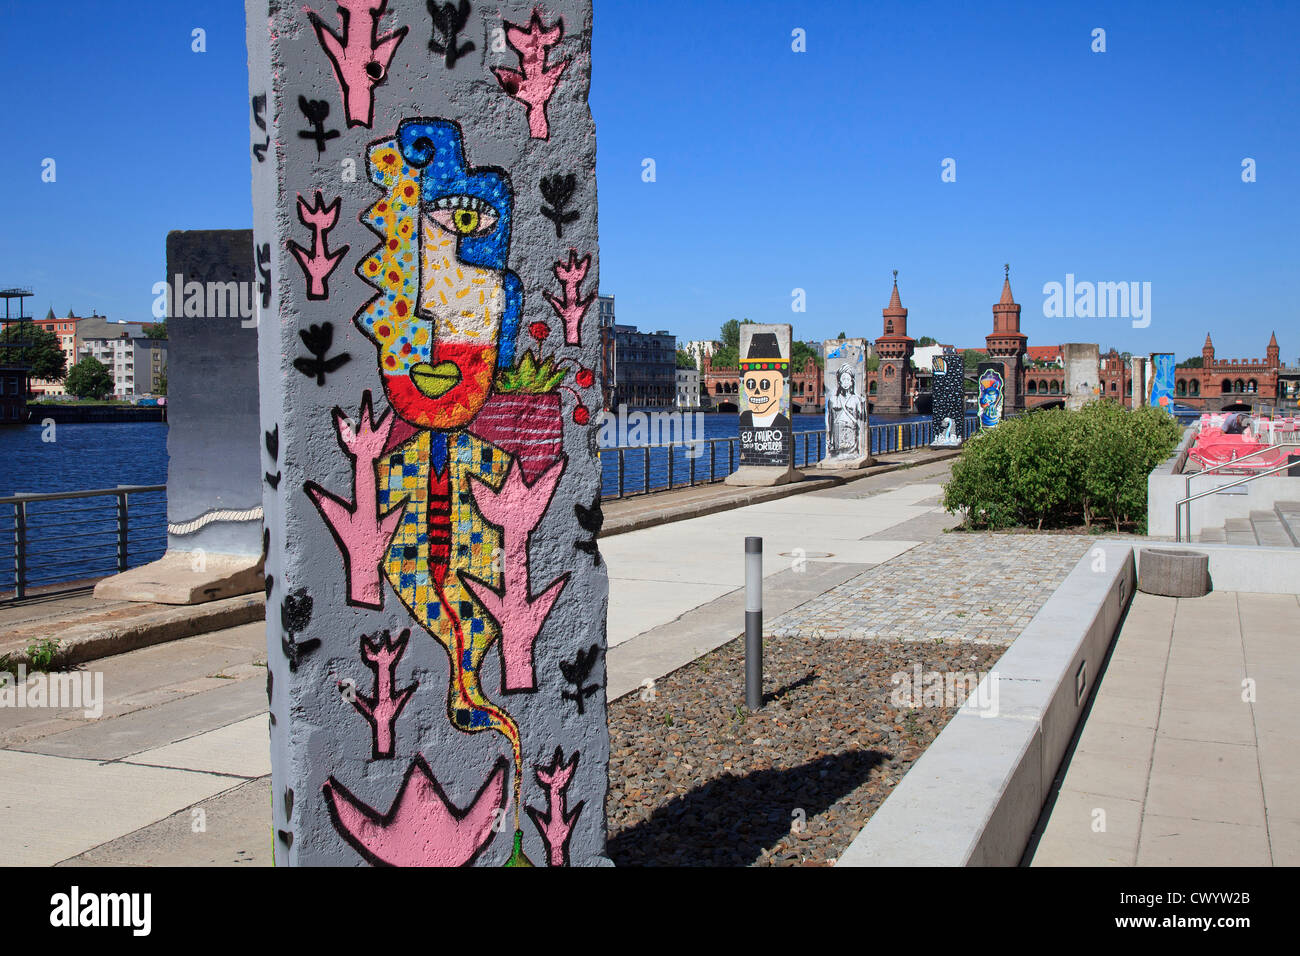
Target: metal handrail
<point>1178,507</point>
<point>115,547</point>
<point>1187,483</point>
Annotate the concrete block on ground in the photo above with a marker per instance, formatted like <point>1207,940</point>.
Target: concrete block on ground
<point>1175,573</point>
<point>180,577</point>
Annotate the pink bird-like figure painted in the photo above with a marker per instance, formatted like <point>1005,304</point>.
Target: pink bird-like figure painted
<point>572,309</point>
<point>422,827</point>
<point>382,710</point>
<point>534,82</point>
<point>516,509</point>
<point>556,824</point>
<point>318,262</point>
<point>360,56</point>
<point>361,533</point>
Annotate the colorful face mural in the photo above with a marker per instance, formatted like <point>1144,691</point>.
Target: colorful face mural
<point>450,309</point>
<point>1161,394</point>
<point>765,429</point>
<point>990,395</point>
<point>456,705</point>
<point>845,375</point>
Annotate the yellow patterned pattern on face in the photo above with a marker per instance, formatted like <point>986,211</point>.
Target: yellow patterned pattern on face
<point>465,302</point>
<point>449,612</point>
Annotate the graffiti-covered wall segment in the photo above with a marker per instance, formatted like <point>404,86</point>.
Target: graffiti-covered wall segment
<point>428,296</point>
<point>847,435</point>
<point>948,399</point>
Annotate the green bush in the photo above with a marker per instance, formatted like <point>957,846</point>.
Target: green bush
<point>1055,468</point>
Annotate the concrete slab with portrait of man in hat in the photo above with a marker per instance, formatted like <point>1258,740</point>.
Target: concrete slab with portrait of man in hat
<point>765,429</point>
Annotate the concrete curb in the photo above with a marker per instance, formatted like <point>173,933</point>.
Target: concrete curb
<point>813,481</point>
<point>974,796</point>
<point>131,628</point>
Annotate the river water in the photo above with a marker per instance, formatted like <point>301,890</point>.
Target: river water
<point>77,538</point>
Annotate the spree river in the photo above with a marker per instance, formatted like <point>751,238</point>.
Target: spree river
<point>80,457</point>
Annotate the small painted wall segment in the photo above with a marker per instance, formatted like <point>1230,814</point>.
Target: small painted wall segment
<point>848,442</point>
<point>1161,393</point>
<point>1082,373</point>
<point>992,389</point>
<point>424,193</point>
<point>1138,377</point>
<point>766,433</point>
<point>948,402</point>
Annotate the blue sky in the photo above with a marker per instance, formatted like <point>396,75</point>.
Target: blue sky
<point>775,170</point>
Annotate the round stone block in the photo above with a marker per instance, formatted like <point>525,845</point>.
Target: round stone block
<point>1174,573</point>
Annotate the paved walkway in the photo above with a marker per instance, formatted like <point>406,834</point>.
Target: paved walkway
<point>1179,763</point>
<point>184,726</point>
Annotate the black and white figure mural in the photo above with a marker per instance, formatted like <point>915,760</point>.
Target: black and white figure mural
<point>845,372</point>
<point>947,411</point>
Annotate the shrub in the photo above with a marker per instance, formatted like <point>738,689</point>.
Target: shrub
<point>1059,467</point>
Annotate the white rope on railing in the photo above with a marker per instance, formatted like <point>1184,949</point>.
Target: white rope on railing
<point>188,527</point>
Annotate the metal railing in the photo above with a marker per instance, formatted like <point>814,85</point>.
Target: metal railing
<point>65,537</point>
<point>1178,506</point>
<point>628,470</point>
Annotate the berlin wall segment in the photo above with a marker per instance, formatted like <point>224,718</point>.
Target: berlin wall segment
<point>425,226</point>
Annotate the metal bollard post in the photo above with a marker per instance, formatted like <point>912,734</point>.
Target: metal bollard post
<point>753,623</point>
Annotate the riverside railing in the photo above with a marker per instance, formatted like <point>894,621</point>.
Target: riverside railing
<point>628,470</point>
<point>71,538</point>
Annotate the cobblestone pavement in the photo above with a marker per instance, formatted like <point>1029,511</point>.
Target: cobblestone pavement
<point>979,588</point>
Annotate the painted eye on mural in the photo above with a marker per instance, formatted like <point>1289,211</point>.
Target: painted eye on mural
<point>751,384</point>
<point>464,215</point>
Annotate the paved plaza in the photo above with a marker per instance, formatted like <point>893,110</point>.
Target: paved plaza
<point>176,772</point>
<point>1191,753</point>
<point>979,588</point>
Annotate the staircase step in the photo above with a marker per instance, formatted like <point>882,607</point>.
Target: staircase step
<point>1269,530</point>
<point>1212,536</point>
<point>1288,512</point>
<point>1239,531</point>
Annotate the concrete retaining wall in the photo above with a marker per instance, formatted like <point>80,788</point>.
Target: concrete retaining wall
<point>975,795</point>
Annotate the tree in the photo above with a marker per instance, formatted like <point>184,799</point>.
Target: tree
<point>925,340</point>
<point>971,358</point>
<point>35,348</point>
<point>1196,362</point>
<point>156,330</point>
<point>685,359</point>
<point>731,334</point>
<point>800,352</point>
<point>873,363</point>
<point>161,387</point>
<point>89,378</point>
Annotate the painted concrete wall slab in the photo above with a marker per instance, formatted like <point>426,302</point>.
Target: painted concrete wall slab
<point>425,213</point>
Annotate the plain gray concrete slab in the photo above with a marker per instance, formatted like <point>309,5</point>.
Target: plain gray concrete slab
<point>241,749</point>
<point>230,829</point>
<point>52,808</point>
<point>1221,783</point>
<point>157,726</point>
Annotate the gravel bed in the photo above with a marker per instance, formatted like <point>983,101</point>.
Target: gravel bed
<point>696,781</point>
